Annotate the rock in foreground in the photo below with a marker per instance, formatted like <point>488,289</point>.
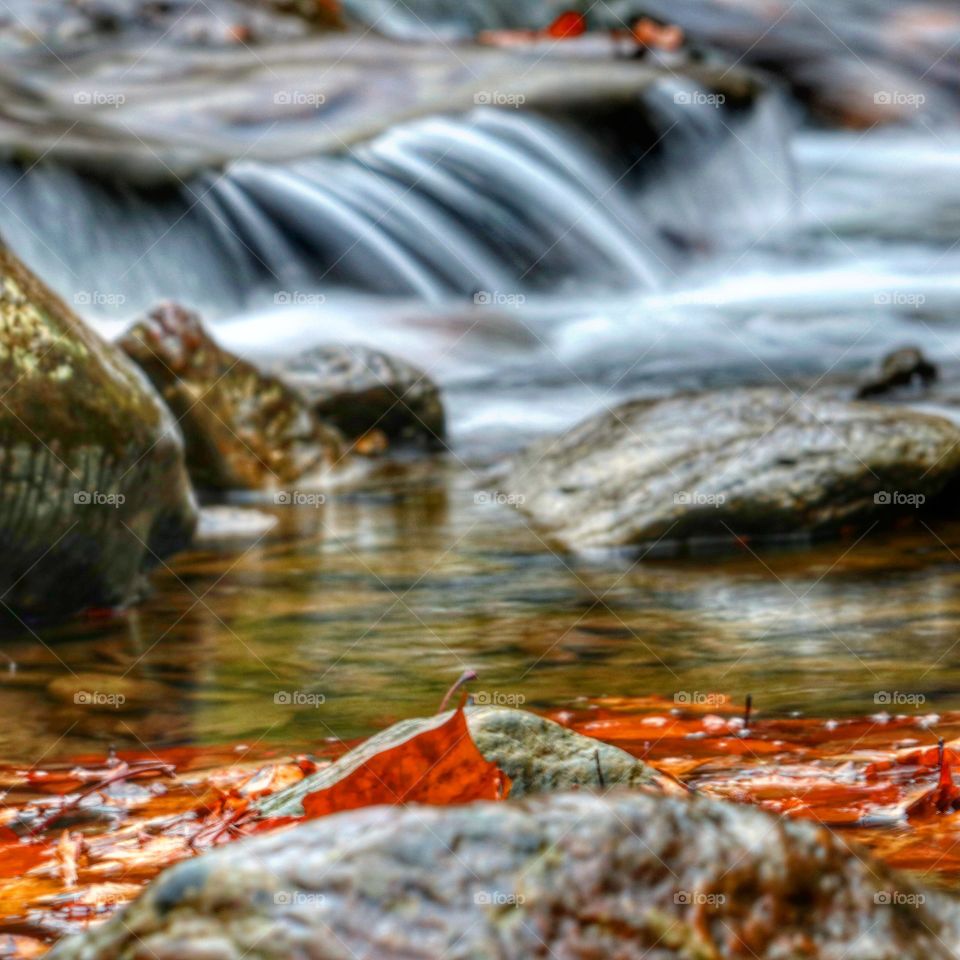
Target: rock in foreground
<point>750,461</point>
<point>629,875</point>
<point>93,489</point>
<point>538,755</point>
<point>244,430</point>
<point>359,390</point>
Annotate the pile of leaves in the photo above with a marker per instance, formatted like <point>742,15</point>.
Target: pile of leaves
<point>79,839</point>
<point>886,780</point>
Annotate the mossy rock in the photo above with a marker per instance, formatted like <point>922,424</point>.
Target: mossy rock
<point>94,488</point>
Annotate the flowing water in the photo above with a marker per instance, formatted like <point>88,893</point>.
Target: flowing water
<point>540,268</point>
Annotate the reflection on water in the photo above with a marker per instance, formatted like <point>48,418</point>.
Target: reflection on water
<point>377,600</point>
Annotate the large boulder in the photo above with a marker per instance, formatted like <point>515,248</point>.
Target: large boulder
<point>244,429</point>
<point>538,755</point>
<point>359,390</point>
<point>629,875</point>
<point>750,461</point>
<point>93,489</point>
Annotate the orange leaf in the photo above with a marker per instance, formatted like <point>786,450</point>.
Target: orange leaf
<point>438,766</point>
<point>569,24</point>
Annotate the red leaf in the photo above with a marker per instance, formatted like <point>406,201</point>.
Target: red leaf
<point>438,766</point>
<point>568,24</point>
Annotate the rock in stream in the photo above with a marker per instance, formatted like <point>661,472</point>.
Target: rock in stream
<point>629,874</point>
<point>94,489</point>
<point>244,429</point>
<point>539,756</point>
<point>359,390</point>
<point>748,461</point>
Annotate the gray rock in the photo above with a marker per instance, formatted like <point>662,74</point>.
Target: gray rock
<point>93,489</point>
<point>630,875</point>
<point>749,461</point>
<point>905,367</point>
<point>538,755</point>
<point>357,389</point>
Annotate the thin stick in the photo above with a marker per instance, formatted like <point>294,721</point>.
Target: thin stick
<point>465,677</point>
<point>167,769</point>
<point>596,757</point>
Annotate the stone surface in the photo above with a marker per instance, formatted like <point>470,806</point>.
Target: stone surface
<point>746,461</point>
<point>94,490</point>
<point>572,876</point>
<point>902,368</point>
<point>243,429</point>
<point>359,390</point>
<point>538,755</point>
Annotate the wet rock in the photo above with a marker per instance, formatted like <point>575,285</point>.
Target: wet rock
<point>243,429</point>
<point>629,875</point>
<point>360,390</point>
<point>905,367</point>
<point>105,691</point>
<point>718,464</point>
<point>538,755</point>
<point>94,490</point>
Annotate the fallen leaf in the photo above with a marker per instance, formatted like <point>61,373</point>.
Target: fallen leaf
<point>438,766</point>
<point>568,24</point>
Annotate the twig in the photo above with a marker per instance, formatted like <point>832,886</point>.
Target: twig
<point>465,677</point>
<point>166,769</point>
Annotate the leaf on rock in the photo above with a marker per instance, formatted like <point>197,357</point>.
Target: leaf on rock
<point>438,766</point>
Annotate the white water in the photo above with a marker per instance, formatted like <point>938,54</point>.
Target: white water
<point>536,275</point>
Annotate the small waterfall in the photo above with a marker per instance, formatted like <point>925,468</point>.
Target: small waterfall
<point>436,208</point>
<point>502,201</point>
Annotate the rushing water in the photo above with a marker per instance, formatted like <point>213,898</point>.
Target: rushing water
<point>539,271</point>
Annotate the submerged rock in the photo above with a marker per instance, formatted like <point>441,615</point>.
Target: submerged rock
<point>719,464</point>
<point>901,368</point>
<point>360,390</point>
<point>244,429</point>
<point>538,755</point>
<point>94,489</point>
<point>629,875</point>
